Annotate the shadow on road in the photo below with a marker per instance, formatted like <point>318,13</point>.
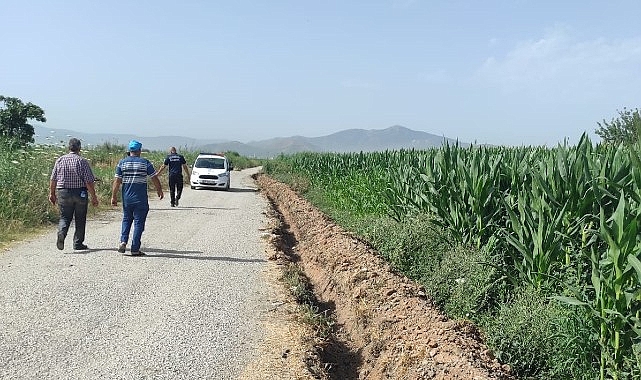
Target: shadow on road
<point>161,254</point>
<point>171,254</point>
<point>195,208</point>
<point>233,190</point>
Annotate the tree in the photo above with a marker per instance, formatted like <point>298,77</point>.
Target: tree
<point>14,117</point>
<point>624,129</point>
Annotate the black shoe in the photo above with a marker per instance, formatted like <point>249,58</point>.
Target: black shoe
<point>80,247</point>
<point>60,243</point>
<point>122,247</point>
<point>137,253</point>
<point>176,202</point>
<point>173,205</point>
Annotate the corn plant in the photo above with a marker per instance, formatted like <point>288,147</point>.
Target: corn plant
<point>538,246</point>
<point>459,187</point>
<point>613,298</point>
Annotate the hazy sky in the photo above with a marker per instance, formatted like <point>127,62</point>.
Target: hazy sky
<point>501,72</point>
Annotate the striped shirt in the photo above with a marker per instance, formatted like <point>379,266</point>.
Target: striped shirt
<point>72,171</point>
<point>134,171</point>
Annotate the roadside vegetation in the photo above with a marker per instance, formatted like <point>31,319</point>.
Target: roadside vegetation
<point>298,284</point>
<point>539,247</point>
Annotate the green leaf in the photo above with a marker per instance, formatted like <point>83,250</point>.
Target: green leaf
<point>635,263</point>
<point>569,300</point>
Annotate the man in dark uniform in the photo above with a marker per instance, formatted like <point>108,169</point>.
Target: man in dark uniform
<point>176,163</point>
<point>70,186</point>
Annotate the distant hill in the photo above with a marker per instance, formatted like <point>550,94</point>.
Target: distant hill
<point>396,137</point>
<point>45,135</point>
<point>350,140</point>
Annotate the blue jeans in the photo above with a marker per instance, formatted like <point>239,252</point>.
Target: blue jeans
<point>135,213</point>
<point>73,204</point>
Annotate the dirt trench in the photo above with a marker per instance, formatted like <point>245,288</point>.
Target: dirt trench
<point>386,327</point>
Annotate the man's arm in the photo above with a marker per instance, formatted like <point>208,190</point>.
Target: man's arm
<point>158,186</point>
<point>91,186</point>
<point>162,168</point>
<point>52,191</point>
<point>186,168</point>
<point>114,191</point>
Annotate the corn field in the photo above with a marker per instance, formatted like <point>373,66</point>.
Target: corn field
<point>564,220</point>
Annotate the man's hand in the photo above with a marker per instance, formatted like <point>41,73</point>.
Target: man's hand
<point>158,186</point>
<point>94,201</point>
<point>53,199</point>
<point>114,200</point>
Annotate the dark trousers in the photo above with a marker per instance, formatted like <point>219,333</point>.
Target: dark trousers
<point>73,204</point>
<point>136,214</point>
<point>175,187</point>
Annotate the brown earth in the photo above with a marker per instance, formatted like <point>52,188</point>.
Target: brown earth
<point>385,326</point>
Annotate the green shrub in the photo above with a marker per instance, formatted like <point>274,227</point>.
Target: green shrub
<point>541,339</point>
<point>241,162</point>
<point>465,283</point>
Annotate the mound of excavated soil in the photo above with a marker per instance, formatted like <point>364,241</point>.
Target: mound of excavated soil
<point>386,327</point>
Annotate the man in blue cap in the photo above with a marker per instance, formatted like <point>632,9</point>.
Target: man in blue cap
<point>132,173</point>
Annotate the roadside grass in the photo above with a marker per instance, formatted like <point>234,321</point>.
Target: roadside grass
<point>541,338</point>
<point>241,162</point>
<point>299,286</point>
<point>24,204</point>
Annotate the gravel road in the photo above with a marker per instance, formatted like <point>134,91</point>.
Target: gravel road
<point>190,309</point>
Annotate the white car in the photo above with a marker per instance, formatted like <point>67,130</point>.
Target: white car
<point>211,170</point>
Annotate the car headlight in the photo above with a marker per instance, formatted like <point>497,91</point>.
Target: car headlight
<point>221,175</point>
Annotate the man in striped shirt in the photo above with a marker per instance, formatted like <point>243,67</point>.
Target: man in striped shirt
<point>132,173</point>
<point>70,185</point>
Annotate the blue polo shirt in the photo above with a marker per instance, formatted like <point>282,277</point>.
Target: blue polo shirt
<point>134,172</point>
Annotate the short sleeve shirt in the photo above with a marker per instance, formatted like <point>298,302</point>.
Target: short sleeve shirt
<point>175,162</point>
<point>134,171</point>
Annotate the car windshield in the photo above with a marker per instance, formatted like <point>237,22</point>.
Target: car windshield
<point>210,163</point>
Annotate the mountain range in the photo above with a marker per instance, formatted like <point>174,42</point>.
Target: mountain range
<point>350,140</point>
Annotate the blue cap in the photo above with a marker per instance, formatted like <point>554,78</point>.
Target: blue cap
<point>134,145</point>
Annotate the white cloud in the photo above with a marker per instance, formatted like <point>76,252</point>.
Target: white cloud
<point>556,62</point>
